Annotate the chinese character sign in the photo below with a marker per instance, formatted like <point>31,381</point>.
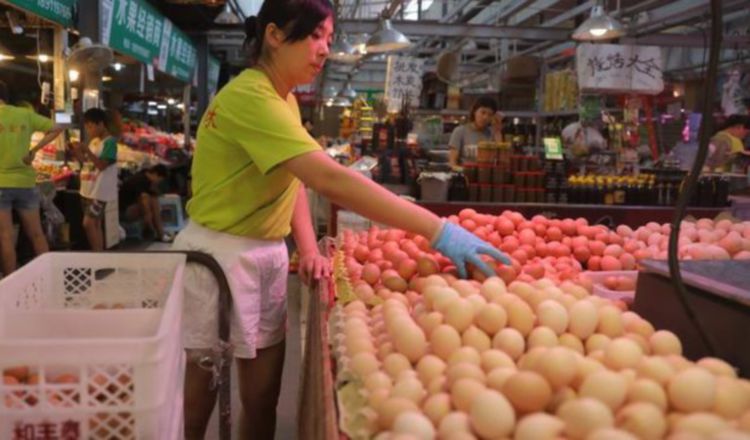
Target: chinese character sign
<point>132,27</point>
<point>620,68</point>
<point>59,11</point>
<point>403,78</point>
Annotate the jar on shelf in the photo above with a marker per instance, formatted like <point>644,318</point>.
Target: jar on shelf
<point>484,173</point>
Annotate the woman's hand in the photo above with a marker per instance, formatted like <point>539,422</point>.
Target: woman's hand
<point>314,267</point>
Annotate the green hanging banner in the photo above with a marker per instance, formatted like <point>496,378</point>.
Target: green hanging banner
<point>137,29</point>
<point>180,59</point>
<point>132,27</point>
<point>59,11</point>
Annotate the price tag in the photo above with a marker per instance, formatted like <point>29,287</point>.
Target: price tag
<point>553,148</point>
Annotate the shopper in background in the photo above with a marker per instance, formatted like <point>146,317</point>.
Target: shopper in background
<point>98,174</point>
<point>252,162</point>
<point>727,149</point>
<point>18,179</point>
<point>139,200</point>
<point>485,124</point>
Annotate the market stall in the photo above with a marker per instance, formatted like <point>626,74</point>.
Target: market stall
<point>571,331</point>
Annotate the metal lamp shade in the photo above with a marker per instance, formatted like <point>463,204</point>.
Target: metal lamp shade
<point>341,101</point>
<point>227,16</point>
<point>599,26</point>
<point>387,39</point>
<point>343,52</point>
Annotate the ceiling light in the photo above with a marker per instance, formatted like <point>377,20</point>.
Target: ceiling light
<point>106,78</point>
<point>162,106</point>
<point>599,26</point>
<point>343,52</point>
<point>181,106</point>
<point>4,57</point>
<point>330,92</point>
<point>341,101</point>
<point>152,103</point>
<point>73,75</point>
<point>117,66</point>
<point>170,101</point>
<point>42,58</point>
<point>227,16</point>
<point>387,39</point>
<point>348,92</point>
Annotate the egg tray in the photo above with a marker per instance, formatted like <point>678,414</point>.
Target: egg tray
<point>626,296</point>
<point>351,402</point>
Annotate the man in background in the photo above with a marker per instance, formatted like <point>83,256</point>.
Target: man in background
<point>139,200</point>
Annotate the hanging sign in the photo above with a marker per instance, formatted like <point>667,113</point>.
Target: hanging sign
<point>132,27</point>
<point>59,11</point>
<point>177,55</point>
<point>135,28</point>
<point>403,79</point>
<point>619,68</point>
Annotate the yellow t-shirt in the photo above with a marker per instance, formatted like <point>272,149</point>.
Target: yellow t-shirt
<point>247,131</point>
<point>16,127</point>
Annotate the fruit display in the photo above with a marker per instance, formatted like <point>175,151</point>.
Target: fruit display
<point>143,137</point>
<point>51,171</point>
<point>528,354</point>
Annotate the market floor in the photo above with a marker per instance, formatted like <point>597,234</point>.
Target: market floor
<point>286,422</point>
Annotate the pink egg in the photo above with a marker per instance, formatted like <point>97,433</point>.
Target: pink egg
<point>541,249</point>
<point>530,250</point>
<point>597,247</point>
<point>594,263</point>
<point>654,239</point>
<point>579,241</point>
<point>582,253</point>
<point>516,217</point>
<point>627,261</point>
<point>610,263</point>
<point>520,255</point>
<point>631,246</point>
<point>569,227</point>
<point>540,229</point>
<point>614,250</point>
<point>602,236</point>
<point>527,236</point>
<point>554,233</point>
<point>504,226</point>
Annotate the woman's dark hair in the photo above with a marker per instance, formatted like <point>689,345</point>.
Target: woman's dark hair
<point>297,18</point>
<point>484,101</point>
<point>735,120</point>
<point>95,116</point>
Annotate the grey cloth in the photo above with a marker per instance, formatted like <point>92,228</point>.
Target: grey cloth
<point>465,139</point>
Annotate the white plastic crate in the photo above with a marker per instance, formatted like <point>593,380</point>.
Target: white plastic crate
<point>98,338</point>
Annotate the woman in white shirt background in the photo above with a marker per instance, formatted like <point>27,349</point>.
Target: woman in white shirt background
<point>485,124</point>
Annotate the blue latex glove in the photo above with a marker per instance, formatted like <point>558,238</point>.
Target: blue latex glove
<point>462,247</point>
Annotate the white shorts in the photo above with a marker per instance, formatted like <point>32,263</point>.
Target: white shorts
<point>257,271</point>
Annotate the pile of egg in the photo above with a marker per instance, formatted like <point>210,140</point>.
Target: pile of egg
<point>539,248</point>
<point>536,360</point>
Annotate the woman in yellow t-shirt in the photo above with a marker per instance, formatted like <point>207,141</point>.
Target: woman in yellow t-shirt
<point>727,146</point>
<point>252,161</point>
<point>18,190</point>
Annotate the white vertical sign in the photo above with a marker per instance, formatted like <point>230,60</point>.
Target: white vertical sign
<point>403,78</point>
<point>620,68</point>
